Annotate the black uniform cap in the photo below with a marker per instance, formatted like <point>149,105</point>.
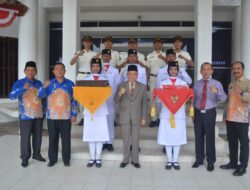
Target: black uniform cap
<point>132,68</point>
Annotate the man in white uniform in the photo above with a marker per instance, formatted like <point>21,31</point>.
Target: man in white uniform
<point>83,58</point>
<point>112,74</point>
<point>155,60</point>
<point>133,60</point>
<point>183,57</point>
<point>132,44</point>
<point>115,56</point>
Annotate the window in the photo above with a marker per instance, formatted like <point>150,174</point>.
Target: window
<point>8,64</point>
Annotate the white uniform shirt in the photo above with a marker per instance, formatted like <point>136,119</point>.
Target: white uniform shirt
<point>182,63</point>
<point>154,62</point>
<point>115,58</point>
<point>163,75</point>
<point>112,74</point>
<point>84,61</point>
<point>142,76</point>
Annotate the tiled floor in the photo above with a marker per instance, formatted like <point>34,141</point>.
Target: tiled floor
<point>151,176</point>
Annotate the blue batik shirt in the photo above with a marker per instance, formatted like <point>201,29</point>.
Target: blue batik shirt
<point>30,105</point>
<point>60,102</point>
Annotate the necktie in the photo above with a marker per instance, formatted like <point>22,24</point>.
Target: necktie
<point>132,89</point>
<point>107,67</point>
<point>204,95</point>
<point>96,77</point>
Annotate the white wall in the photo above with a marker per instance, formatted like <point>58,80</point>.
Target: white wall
<point>12,30</point>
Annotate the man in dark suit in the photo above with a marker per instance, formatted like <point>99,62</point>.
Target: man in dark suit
<point>131,102</point>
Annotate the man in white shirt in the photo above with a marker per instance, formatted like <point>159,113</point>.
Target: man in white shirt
<point>183,57</point>
<point>112,74</point>
<point>155,61</point>
<point>132,44</point>
<point>115,56</point>
<point>83,58</point>
<point>133,60</point>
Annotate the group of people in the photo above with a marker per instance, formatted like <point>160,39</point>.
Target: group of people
<point>129,76</point>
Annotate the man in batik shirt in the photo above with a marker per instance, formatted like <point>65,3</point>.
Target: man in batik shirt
<point>237,118</point>
<point>61,111</point>
<point>30,113</point>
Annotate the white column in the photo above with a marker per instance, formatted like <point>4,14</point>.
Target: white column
<point>203,34</point>
<point>245,37</point>
<point>42,49</point>
<point>71,29</point>
<point>27,40</point>
<point>236,35</point>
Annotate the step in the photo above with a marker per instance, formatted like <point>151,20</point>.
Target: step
<point>150,151</point>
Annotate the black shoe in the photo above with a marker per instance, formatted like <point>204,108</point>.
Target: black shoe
<point>196,164</point>
<point>25,163</point>
<point>115,124</point>
<point>176,166</point>
<point>98,163</point>
<point>164,150</point>
<point>123,165</point>
<point>110,147</point>
<point>157,122</point>
<point>240,172</point>
<point>51,164</point>
<point>90,163</point>
<point>210,167</point>
<point>80,123</point>
<point>39,158</point>
<point>168,166</point>
<point>104,146</point>
<point>67,164</point>
<point>228,166</point>
<point>152,124</point>
<point>136,165</point>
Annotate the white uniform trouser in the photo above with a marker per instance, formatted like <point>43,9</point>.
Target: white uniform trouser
<point>111,119</point>
<point>172,153</point>
<point>95,149</point>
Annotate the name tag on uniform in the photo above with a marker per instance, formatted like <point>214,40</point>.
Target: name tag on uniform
<point>203,111</point>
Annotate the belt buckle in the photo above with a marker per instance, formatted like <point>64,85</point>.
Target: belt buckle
<point>203,111</point>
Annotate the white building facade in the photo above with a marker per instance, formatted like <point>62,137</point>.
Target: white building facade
<point>33,30</point>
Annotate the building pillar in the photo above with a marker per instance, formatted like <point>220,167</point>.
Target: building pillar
<point>245,37</point>
<point>203,34</point>
<point>71,34</point>
<point>27,39</point>
<point>42,48</point>
<point>236,35</point>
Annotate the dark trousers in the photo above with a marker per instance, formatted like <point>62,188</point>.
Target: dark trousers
<point>238,132</point>
<point>62,127</point>
<point>204,130</point>
<point>30,127</point>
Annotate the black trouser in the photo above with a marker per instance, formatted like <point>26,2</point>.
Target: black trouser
<point>236,132</point>
<point>64,128</point>
<point>204,129</point>
<point>30,127</point>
